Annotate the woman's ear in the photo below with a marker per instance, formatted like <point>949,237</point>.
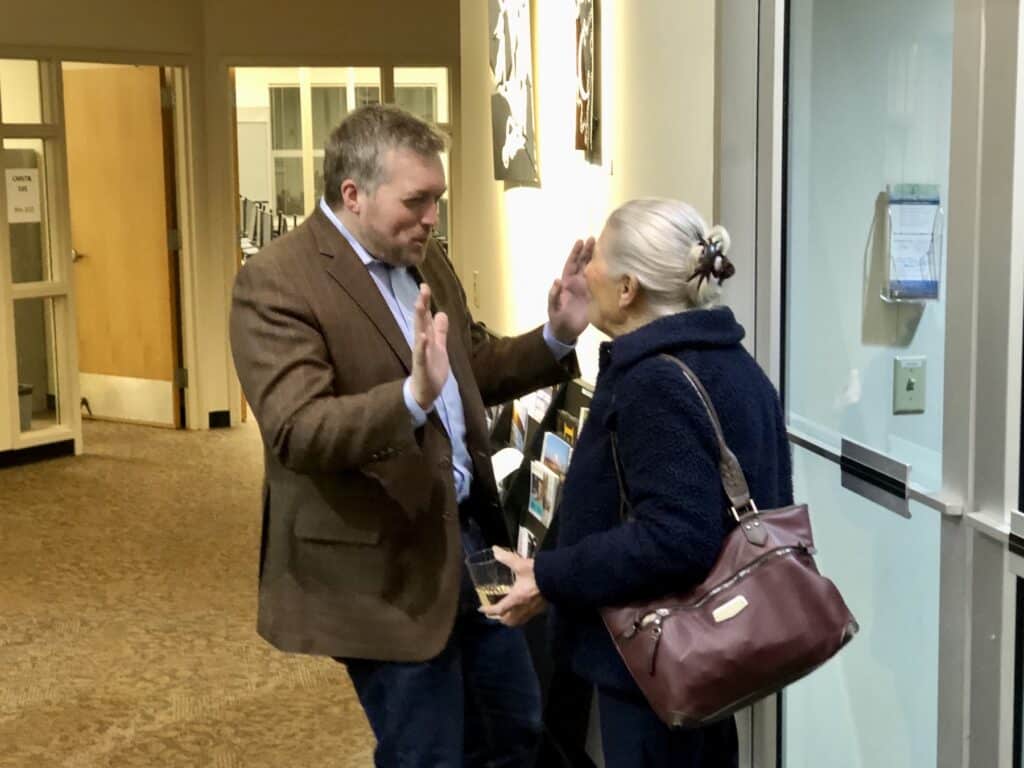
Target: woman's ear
<point>629,291</point>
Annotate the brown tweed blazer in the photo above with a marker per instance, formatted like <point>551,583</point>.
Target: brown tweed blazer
<point>361,552</point>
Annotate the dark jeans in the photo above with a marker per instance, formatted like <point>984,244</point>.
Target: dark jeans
<point>632,736</point>
<point>476,704</point>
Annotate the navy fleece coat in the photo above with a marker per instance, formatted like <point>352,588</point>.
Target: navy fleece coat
<point>670,457</point>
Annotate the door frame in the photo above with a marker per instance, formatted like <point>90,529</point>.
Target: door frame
<point>750,59</point>
<point>180,76</point>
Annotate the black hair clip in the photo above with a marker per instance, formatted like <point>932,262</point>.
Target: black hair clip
<point>712,263</point>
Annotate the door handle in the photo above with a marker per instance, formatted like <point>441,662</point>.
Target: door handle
<point>75,255</point>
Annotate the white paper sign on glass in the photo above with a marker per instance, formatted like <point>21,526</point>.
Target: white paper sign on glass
<point>23,205</point>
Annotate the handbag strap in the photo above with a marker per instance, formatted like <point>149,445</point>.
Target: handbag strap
<point>733,480</point>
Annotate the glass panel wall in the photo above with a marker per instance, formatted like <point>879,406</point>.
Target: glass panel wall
<point>1018,677</point>
<point>36,347</point>
<point>25,174</point>
<point>289,196</point>
<point>285,115</point>
<point>20,96</point>
<point>876,702</point>
<point>285,118</point>
<point>869,92</point>
<point>330,104</point>
<point>424,92</point>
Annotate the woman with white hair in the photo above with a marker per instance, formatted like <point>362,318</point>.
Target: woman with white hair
<point>654,289</point>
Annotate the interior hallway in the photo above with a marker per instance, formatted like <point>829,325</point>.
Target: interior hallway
<point>127,615</point>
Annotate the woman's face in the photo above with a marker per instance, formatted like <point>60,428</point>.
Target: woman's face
<point>605,312</point>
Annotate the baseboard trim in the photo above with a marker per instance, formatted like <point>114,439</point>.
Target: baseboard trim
<point>130,422</point>
<point>36,453</point>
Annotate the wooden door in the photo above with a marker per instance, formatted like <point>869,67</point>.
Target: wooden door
<point>124,274</point>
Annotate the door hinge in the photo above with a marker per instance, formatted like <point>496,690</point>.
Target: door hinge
<point>181,378</point>
<point>173,239</point>
<point>167,96</point>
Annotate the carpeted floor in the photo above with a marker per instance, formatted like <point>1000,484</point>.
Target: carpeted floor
<point>127,615</point>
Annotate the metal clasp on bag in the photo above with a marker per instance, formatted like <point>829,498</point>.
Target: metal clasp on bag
<point>653,620</point>
<point>643,622</point>
<point>654,617</point>
<point>748,518</point>
<point>742,512</point>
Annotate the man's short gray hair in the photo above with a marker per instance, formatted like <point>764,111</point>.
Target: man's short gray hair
<point>356,148</point>
<point>661,242</point>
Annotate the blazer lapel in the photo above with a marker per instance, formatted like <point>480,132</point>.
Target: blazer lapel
<point>345,267</point>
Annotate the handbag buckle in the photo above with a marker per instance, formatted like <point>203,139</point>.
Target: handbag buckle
<point>653,617</point>
<point>750,508</point>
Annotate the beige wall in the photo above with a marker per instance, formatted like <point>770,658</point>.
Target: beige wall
<point>207,38</point>
<point>657,66</point>
<point>155,26</point>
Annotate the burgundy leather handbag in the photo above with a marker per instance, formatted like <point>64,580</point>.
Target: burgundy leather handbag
<point>763,618</point>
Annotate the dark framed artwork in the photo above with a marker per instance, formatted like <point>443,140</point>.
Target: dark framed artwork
<point>588,83</point>
<point>512,117</point>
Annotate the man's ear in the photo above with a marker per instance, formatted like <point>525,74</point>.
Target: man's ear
<point>629,290</point>
<point>351,196</point>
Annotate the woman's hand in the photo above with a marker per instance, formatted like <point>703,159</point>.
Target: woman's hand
<point>524,600</point>
<point>569,297</point>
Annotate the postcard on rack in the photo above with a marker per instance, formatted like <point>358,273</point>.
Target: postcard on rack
<point>539,403</point>
<point>544,487</point>
<point>517,432</point>
<point>527,544</point>
<point>566,427</point>
<point>555,453</point>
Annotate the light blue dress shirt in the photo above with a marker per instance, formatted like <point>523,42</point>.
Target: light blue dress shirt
<point>399,290</point>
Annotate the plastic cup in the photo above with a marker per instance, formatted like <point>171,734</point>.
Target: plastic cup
<point>492,579</point>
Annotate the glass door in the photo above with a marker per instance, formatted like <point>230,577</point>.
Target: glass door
<point>867,152</point>
<point>38,388</point>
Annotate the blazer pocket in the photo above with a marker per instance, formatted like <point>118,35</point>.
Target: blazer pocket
<point>313,524</point>
<point>406,479</point>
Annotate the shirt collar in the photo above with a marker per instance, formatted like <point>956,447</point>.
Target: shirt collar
<point>361,252</point>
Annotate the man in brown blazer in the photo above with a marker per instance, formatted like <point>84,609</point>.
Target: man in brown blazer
<point>368,378</point>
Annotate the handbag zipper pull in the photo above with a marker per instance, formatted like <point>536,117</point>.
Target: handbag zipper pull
<point>655,625</point>
<point>656,632</point>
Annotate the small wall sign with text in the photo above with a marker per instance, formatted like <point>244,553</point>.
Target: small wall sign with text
<point>23,204</point>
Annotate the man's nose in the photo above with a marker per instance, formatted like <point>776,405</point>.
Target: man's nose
<point>429,217</point>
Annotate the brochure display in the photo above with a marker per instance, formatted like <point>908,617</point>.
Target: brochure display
<point>542,429</point>
<point>915,225</point>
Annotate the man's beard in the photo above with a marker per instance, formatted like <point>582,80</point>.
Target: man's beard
<point>410,254</point>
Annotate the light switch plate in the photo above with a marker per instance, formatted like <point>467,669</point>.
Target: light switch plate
<point>908,384</point>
